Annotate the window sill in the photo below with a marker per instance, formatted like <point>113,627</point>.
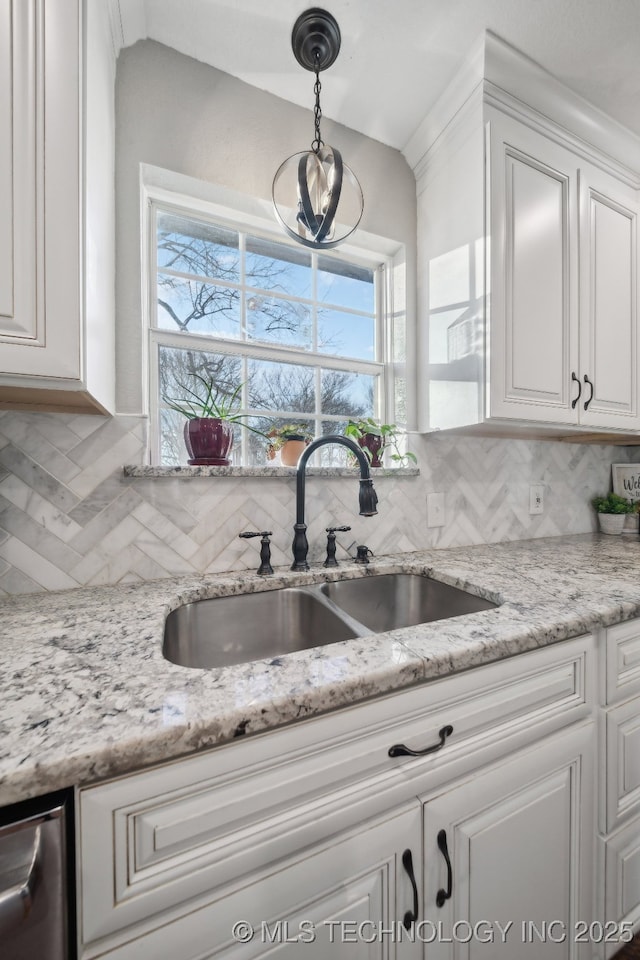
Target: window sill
<point>186,472</point>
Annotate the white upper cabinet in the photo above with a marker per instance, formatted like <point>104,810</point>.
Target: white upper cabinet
<point>56,157</point>
<point>563,284</point>
<point>534,259</point>
<point>527,252</point>
<point>608,301</point>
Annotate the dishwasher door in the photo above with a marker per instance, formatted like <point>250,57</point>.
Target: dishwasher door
<point>34,903</point>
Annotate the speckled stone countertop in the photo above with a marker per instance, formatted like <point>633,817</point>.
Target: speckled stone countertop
<point>85,692</point>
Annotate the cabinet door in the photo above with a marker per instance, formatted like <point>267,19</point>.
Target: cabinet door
<point>342,900</point>
<point>533,291</point>
<point>40,203</point>
<point>519,841</point>
<point>608,301</point>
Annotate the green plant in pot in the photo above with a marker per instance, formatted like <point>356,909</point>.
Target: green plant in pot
<point>290,439</point>
<point>211,415</point>
<point>612,510</point>
<point>375,438</point>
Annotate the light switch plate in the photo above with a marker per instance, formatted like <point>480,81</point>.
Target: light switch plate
<point>435,510</point>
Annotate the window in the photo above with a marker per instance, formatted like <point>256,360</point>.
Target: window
<point>300,333</point>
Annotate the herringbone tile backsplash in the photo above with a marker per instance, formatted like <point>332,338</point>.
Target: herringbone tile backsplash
<point>68,516</point>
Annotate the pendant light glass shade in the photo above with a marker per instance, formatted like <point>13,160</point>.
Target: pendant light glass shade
<point>316,197</point>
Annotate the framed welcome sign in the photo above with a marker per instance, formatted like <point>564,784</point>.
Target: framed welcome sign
<point>626,483</point>
<point>626,480</point>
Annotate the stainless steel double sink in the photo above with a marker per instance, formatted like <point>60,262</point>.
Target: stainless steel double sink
<point>255,626</point>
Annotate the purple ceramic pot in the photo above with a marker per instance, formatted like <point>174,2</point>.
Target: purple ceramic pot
<point>374,444</point>
<point>208,441</point>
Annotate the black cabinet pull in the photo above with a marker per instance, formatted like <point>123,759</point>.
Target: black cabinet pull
<point>443,895</point>
<point>577,380</point>
<point>590,382</point>
<point>411,915</point>
<point>400,750</point>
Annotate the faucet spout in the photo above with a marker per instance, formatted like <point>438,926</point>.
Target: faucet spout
<point>368,498</point>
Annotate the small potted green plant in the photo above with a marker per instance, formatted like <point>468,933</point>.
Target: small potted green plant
<point>210,418</point>
<point>375,438</point>
<point>612,511</point>
<point>290,439</point>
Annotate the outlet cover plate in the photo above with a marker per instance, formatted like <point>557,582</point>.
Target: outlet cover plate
<point>435,510</point>
<point>536,498</point>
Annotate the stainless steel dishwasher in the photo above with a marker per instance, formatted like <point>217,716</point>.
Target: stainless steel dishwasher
<point>36,873</point>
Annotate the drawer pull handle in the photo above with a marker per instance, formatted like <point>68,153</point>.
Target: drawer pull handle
<point>400,750</point>
<point>411,915</point>
<point>577,380</point>
<point>590,382</point>
<point>442,894</point>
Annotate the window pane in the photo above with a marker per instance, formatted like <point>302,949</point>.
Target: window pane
<point>257,446</point>
<point>179,370</point>
<point>281,386</point>
<point>279,321</point>
<point>348,394</point>
<point>345,284</point>
<point>334,455</point>
<point>273,266</point>
<point>346,335</point>
<point>172,448</point>
<point>193,246</point>
<point>191,306</point>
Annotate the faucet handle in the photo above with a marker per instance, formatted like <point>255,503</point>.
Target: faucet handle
<point>331,545</point>
<point>265,569</point>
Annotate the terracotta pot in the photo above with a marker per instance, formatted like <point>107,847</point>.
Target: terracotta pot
<point>375,445</point>
<point>612,522</point>
<point>208,441</point>
<point>291,451</point>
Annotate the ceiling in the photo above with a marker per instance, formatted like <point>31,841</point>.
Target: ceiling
<point>398,57</point>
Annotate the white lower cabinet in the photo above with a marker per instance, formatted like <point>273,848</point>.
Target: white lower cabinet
<point>508,856</point>
<point>323,841</point>
<point>619,768</point>
<point>622,880</point>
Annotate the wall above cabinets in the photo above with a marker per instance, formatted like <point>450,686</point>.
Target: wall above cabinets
<point>57,206</point>
<point>528,258</point>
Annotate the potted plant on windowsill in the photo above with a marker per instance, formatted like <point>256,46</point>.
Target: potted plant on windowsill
<point>375,438</point>
<point>290,440</point>
<point>211,416</point>
<point>612,511</point>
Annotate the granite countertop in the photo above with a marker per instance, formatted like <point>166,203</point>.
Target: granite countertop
<point>85,692</point>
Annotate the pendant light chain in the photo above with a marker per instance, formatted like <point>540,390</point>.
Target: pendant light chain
<point>317,87</point>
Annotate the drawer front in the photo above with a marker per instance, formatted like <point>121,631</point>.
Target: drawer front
<point>623,661</point>
<point>623,762</point>
<point>622,878</point>
<point>161,837</point>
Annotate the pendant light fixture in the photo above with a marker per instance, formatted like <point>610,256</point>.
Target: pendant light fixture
<point>317,197</point>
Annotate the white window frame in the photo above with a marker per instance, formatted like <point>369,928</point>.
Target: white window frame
<point>241,213</point>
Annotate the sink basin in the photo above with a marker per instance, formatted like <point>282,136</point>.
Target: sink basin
<point>395,600</point>
<point>258,626</point>
<point>253,626</point>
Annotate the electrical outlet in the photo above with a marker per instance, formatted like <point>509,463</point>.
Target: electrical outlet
<point>435,509</point>
<point>536,498</point>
